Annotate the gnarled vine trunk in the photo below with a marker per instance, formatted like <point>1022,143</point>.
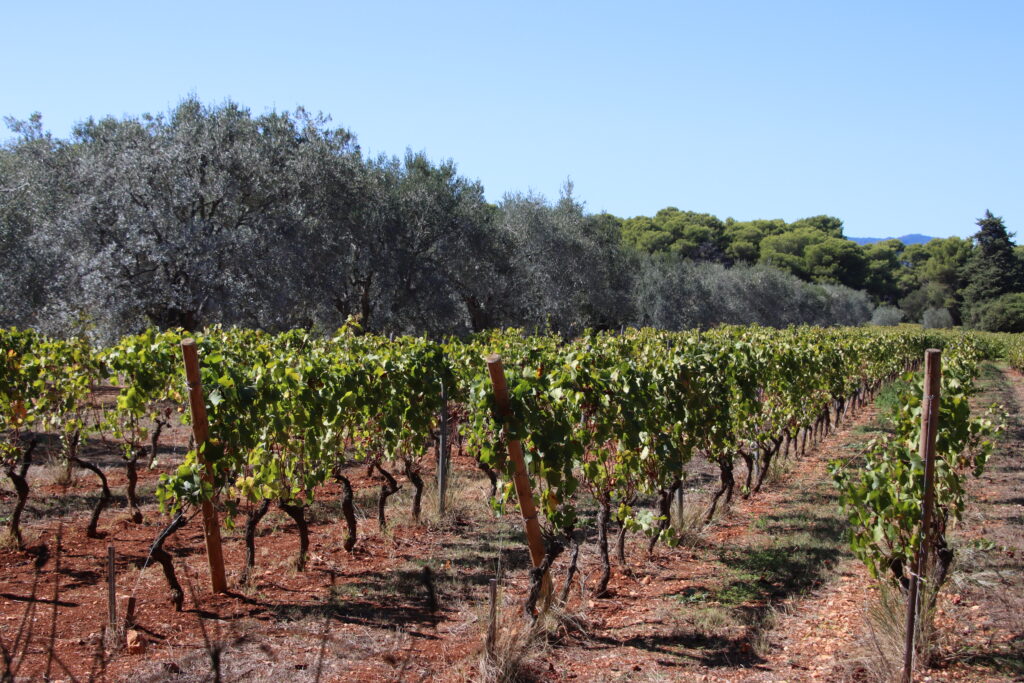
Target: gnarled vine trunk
<point>298,513</point>
<point>158,553</point>
<point>665,497</point>
<point>348,510</point>
<point>413,473</point>
<point>250,537</point>
<point>19,477</point>
<point>748,459</point>
<point>725,466</point>
<point>573,565</point>
<point>603,516</point>
<point>767,453</point>
<point>104,500</point>
<point>492,476</point>
<point>387,489</point>
<point>131,471</point>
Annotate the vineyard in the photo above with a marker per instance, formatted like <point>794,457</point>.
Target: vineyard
<point>394,485</point>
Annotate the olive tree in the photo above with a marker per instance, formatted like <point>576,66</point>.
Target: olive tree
<point>34,183</point>
<point>194,218</point>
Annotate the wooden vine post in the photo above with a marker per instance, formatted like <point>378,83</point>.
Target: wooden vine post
<point>442,452</point>
<point>111,589</point>
<point>201,430</point>
<point>929,429</point>
<point>492,622</point>
<point>520,478</point>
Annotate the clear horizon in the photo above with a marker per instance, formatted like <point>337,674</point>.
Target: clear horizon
<point>896,119</point>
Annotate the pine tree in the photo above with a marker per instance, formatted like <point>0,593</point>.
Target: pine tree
<point>993,269</point>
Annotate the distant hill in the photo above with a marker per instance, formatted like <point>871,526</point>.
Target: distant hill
<point>906,239</point>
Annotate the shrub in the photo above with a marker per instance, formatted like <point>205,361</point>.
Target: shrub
<point>937,318</point>
<point>1003,314</point>
<point>887,316</point>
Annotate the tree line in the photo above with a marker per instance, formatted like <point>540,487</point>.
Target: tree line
<point>962,278</point>
<point>209,214</point>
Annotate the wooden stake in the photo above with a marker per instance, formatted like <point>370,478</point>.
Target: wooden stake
<point>129,612</point>
<point>111,589</point>
<point>492,624</point>
<point>515,453</point>
<point>201,430</point>
<point>679,508</point>
<point>929,429</point>
<point>442,453</point>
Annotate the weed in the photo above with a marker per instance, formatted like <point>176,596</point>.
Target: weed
<point>888,402</point>
<point>779,471</point>
<point>712,619</point>
<point>517,645</point>
<point>760,630</point>
<point>57,473</point>
<point>465,504</point>
<point>688,524</point>
<point>887,619</point>
<point>8,541</point>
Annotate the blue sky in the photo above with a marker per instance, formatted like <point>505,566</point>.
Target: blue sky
<point>897,117</point>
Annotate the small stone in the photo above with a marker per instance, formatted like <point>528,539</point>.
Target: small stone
<point>135,645</point>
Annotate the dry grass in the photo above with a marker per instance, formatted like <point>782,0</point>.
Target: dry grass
<point>465,501</point>
<point>57,473</point>
<point>519,642</point>
<point>688,523</point>
<point>760,632</point>
<point>780,470</point>
<point>881,651</point>
<point>517,645</point>
<point>8,542</point>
